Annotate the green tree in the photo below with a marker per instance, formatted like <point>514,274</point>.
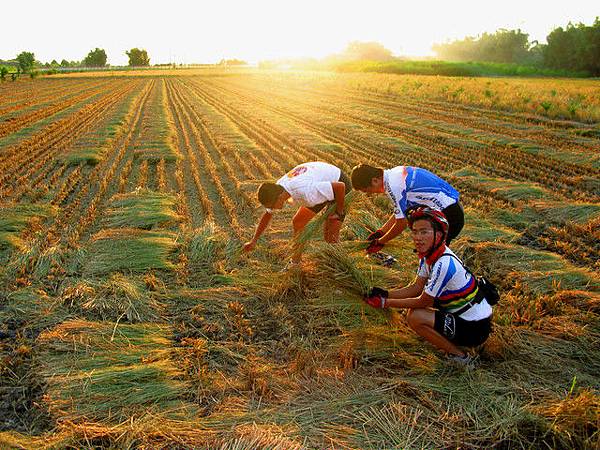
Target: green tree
<point>576,47</point>
<point>561,50</point>
<point>503,46</point>
<point>26,61</point>
<point>95,58</point>
<point>138,57</point>
<point>366,51</point>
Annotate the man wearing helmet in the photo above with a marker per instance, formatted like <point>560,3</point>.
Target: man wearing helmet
<point>408,187</point>
<point>445,304</point>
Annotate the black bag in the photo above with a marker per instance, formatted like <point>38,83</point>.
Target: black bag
<point>486,289</point>
<point>489,290</point>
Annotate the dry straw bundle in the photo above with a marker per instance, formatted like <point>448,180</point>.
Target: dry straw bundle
<point>128,249</point>
<point>112,299</point>
<point>14,218</point>
<point>142,208</point>
<point>313,227</point>
<point>109,372</point>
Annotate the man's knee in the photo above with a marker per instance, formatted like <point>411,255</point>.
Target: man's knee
<point>298,224</point>
<point>417,318</point>
<point>301,218</point>
<point>412,318</point>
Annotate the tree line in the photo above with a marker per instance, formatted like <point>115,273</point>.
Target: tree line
<point>25,62</point>
<point>575,48</point>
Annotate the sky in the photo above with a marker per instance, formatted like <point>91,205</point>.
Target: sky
<point>186,31</point>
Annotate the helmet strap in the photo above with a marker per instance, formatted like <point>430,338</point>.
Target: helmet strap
<point>435,252</point>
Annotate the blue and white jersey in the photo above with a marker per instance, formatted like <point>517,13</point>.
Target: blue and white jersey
<point>411,186</point>
<point>453,286</point>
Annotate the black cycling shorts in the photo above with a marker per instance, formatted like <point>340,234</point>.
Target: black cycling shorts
<point>462,332</point>
<point>456,220</point>
<point>344,179</point>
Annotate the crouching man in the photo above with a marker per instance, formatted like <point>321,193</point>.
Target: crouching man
<point>445,305</point>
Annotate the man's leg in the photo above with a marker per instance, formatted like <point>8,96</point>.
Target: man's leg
<point>456,220</point>
<point>331,230</point>
<point>301,218</point>
<point>422,321</point>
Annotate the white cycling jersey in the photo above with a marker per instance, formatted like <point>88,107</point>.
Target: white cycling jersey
<point>453,286</point>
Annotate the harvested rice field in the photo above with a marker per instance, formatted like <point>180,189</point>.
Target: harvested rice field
<point>130,318</point>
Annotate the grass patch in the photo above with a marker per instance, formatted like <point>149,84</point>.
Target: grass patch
<point>154,153</point>
<point>350,276</point>
<point>516,219</point>
<point>520,191</point>
<point>360,223</point>
<point>14,218</point>
<point>533,271</point>
<point>478,229</point>
<point>559,212</point>
<point>9,239</point>
<point>107,372</point>
<point>112,299</point>
<point>316,224</point>
<point>205,245</point>
<point>507,189</point>
<point>142,209</point>
<point>89,156</point>
<point>574,157</point>
<point>341,267</point>
<point>575,418</point>
<point>128,249</point>
<point>27,303</point>
<point>453,69</point>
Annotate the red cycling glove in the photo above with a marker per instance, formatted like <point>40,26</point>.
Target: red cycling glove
<point>376,301</point>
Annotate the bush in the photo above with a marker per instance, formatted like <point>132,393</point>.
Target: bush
<point>452,69</point>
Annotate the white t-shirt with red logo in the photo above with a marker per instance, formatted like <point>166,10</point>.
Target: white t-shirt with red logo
<point>309,184</point>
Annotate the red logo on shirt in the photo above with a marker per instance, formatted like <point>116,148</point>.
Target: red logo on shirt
<point>297,171</point>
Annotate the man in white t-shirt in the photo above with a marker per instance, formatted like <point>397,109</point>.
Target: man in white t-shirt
<point>445,304</point>
<point>408,187</point>
<point>313,186</point>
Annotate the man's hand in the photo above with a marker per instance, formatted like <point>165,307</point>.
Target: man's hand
<point>374,247</point>
<point>378,291</point>
<point>375,235</point>
<point>248,246</point>
<point>376,301</point>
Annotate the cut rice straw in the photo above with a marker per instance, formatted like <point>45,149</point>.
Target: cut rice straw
<point>316,224</point>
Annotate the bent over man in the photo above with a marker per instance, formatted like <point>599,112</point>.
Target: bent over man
<point>313,186</point>
<point>408,187</point>
<point>445,304</point>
